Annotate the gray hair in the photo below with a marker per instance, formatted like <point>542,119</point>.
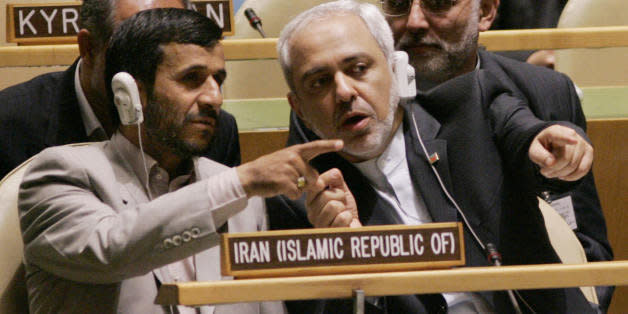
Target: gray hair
<point>370,15</point>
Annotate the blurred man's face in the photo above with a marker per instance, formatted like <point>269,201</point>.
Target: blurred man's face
<point>441,44</point>
<point>343,85</point>
<point>182,110</point>
<point>124,9</point>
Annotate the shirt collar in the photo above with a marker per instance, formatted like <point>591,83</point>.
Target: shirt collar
<point>377,169</point>
<point>133,156</point>
<point>90,122</point>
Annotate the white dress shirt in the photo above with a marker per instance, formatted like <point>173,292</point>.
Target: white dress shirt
<point>390,177</point>
<point>93,128</point>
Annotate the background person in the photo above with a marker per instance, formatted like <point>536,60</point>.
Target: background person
<point>71,106</point>
<point>442,44</point>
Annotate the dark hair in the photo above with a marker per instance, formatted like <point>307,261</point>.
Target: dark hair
<point>98,17</point>
<point>135,47</point>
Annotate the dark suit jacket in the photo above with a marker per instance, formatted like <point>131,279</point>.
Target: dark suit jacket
<point>44,112</point>
<point>482,136</point>
<point>551,96</point>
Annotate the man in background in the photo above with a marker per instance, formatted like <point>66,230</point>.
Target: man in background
<point>441,39</point>
<point>71,106</point>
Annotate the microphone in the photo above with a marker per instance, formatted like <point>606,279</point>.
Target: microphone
<point>496,259</point>
<point>493,255</point>
<point>255,21</point>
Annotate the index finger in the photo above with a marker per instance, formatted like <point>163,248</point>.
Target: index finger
<point>560,135</point>
<point>312,149</point>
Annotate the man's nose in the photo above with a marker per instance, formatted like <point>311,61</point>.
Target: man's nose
<point>345,90</point>
<point>416,18</point>
<point>211,95</point>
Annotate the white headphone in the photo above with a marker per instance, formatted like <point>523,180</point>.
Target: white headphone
<point>127,98</point>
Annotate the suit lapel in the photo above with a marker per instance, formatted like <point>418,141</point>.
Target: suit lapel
<point>131,190</point>
<point>420,171</point>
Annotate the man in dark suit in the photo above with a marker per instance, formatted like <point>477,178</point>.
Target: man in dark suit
<point>442,43</point>
<point>71,106</point>
<point>490,157</point>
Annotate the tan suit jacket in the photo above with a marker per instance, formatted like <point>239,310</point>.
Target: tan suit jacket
<point>93,241</point>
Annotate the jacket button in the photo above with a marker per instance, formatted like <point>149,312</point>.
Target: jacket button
<point>187,236</point>
<point>168,243</point>
<point>196,232</point>
<point>177,240</point>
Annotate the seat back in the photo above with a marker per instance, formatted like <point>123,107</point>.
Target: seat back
<point>13,296</point>
<point>565,243</point>
<point>13,293</point>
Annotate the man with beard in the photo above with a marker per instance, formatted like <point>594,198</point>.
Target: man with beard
<point>105,224</point>
<point>71,106</point>
<point>483,164</point>
<point>441,39</point>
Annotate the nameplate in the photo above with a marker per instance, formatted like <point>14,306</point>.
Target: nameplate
<point>342,250</point>
<point>58,23</point>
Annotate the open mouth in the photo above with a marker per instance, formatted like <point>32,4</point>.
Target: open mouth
<point>355,122</point>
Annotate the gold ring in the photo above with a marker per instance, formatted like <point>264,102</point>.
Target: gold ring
<point>301,182</point>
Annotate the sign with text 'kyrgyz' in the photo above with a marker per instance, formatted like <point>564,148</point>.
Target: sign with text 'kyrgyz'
<point>37,23</point>
<point>342,250</point>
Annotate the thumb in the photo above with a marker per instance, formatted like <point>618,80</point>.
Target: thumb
<point>355,223</point>
<point>332,178</point>
<point>540,155</point>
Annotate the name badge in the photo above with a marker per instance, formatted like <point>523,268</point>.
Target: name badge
<point>564,206</point>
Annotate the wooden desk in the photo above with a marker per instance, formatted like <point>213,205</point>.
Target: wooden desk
<point>396,283</point>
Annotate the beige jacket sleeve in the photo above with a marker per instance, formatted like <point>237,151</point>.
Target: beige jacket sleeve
<point>82,220</point>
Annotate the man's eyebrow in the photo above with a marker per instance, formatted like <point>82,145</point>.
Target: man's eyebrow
<point>203,68</point>
<point>193,67</point>
<point>313,71</point>
<point>349,59</point>
<point>355,57</point>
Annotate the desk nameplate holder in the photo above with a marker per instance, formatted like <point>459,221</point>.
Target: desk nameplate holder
<point>55,22</point>
<point>325,251</point>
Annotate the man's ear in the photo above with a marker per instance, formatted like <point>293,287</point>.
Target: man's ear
<point>295,104</point>
<point>86,49</point>
<point>141,89</point>
<point>488,13</point>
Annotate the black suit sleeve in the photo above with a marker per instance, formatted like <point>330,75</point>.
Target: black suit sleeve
<point>552,97</point>
<point>514,127</point>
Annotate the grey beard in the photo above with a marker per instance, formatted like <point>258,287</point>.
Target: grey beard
<point>383,134</point>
